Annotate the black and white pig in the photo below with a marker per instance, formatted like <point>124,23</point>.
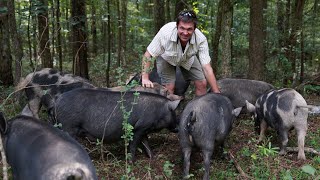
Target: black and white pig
<point>97,113</point>
<point>240,90</point>
<point>36,150</point>
<point>43,86</point>
<point>282,110</point>
<point>205,123</point>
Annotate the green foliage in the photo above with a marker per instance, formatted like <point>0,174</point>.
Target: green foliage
<point>312,89</point>
<point>267,150</point>
<point>309,169</point>
<point>168,168</point>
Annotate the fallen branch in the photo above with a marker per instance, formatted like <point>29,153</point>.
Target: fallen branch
<point>306,149</point>
<point>238,167</point>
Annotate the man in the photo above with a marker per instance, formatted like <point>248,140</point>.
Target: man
<point>181,44</point>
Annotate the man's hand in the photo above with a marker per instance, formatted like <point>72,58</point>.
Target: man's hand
<point>146,81</point>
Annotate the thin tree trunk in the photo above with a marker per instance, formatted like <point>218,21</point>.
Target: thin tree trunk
<point>6,76</point>
<point>168,11</point>
<point>94,29</point>
<point>216,37</point>
<point>79,38</point>
<point>159,14</point>
<point>119,33</point>
<point>44,45</point>
<point>296,28</point>
<point>16,40</point>
<point>256,40</point>
<point>226,40</point>
<point>29,38</point>
<point>59,45</point>
<point>124,7</point>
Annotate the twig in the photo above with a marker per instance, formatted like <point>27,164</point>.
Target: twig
<point>306,149</point>
<point>238,167</point>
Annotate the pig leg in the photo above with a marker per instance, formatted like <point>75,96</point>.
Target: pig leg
<point>137,137</point>
<point>263,128</point>
<point>186,161</point>
<point>206,163</point>
<point>301,133</point>
<point>283,137</point>
<point>146,146</point>
<point>34,106</point>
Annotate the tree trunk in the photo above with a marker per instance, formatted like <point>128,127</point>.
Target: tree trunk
<point>226,41</point>
<point>6,76</point>
<point>119,33</point>
<point>168,11</point>
<point>79,38</point>
<point>256,40</point>
<point>124,7</point>
<point>216,37</point>
<point>16,41</point>
<point>44,45</point>
<point>94,29</point>
<point>29,38</point>
<point>159,15</point>
<point>107,39</point>
<point>59,44</point>
<point>296,28</point>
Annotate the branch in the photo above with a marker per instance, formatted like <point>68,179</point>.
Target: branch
<point>306,149</point>
<point>238,167</point>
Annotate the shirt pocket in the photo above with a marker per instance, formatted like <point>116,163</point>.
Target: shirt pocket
<point>170,56</point>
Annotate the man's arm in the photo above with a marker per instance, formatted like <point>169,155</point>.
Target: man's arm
<point>146,64</point>
<point>208,73</point>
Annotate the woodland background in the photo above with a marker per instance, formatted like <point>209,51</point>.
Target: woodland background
<point>276,40</point>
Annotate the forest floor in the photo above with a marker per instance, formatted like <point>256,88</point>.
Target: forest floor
<point>256,161</point>
<point>241,150</point>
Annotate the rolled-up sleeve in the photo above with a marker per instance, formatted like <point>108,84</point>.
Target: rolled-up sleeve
<point>203,52</point>
<point>155,48</point>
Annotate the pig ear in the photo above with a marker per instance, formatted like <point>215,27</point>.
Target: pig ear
<point>3,124</point>
<point>250,107</point>
<point>236,111</point>
<point>172,105</point>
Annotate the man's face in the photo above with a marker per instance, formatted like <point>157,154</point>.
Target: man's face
<point>185,30</point>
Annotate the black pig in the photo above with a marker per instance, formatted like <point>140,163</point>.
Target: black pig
<point>36,151</point>
<point>97,113</point>
<point>240,90</point>
<point>205,122</point>
<point>282,110</point>
<point>181,85</point>
<point>45,85</point>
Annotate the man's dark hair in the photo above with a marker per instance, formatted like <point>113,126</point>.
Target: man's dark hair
<point>187,16</point>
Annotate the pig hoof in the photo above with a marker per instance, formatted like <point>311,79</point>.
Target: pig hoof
<point>282,152</point>
<point>301,157</point>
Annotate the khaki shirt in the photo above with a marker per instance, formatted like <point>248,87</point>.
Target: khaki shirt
<point>166,45</point>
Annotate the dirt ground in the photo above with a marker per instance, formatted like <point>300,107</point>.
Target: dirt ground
<point>241,144</point>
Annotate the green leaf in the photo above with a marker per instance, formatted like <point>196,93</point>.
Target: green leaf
<point>309,169</point>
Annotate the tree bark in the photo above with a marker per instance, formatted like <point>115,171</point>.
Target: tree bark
<point>44,45</point>
<point>216,38</point>
<point>6,76</point>
<point>79,38</point>
<point>296,28</point>
<point>226,40</point>
<point>256,40</point>
<point>94,29</point>
<point>59,44</point>
<point>159,15</point>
